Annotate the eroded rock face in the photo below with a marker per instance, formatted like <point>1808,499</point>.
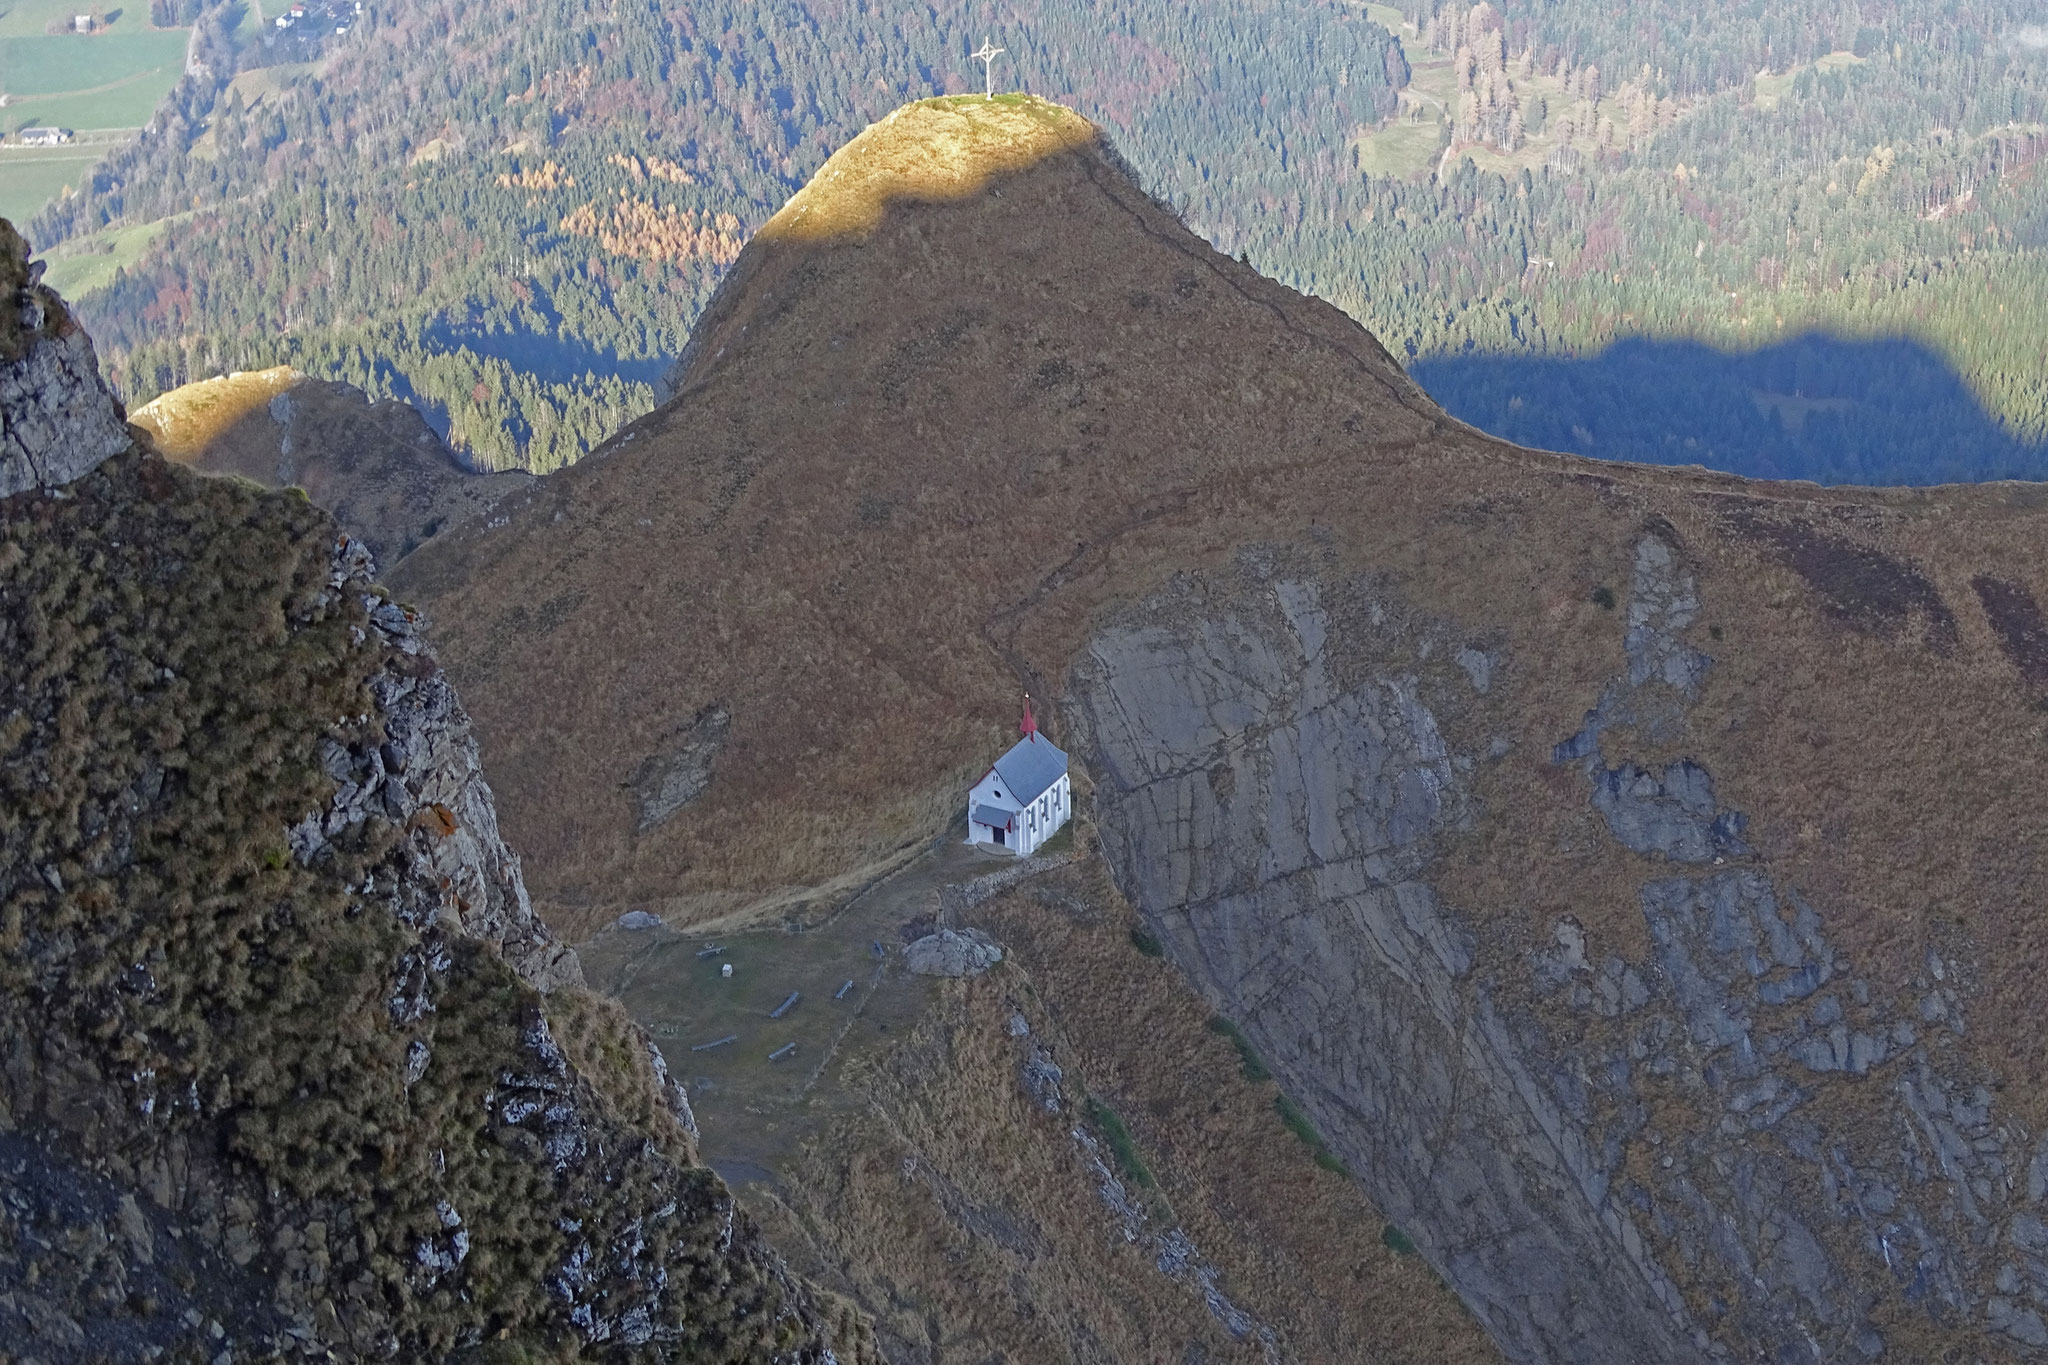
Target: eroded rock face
<point>1272,812</point>
<point>1634,1162</point>
<point>57,420</point>
<point>425,776</point>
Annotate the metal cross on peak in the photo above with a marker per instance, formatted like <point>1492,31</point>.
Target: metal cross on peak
<point>987,56</point>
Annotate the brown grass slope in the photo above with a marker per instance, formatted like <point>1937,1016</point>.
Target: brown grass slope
<point>973,393</point>
<point>955,1206</point>
<point>948,410</point>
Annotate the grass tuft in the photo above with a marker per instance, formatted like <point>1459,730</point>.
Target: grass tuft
<point>1143,940</point>
<point>1121,1145</point>
<point>1254,1069</point>
<point>1298,1124</point>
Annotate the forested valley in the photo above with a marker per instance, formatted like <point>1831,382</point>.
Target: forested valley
<point>511,214</point>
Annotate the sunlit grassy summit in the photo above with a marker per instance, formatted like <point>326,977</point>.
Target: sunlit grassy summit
<point>188,419</point>
<point>942,148</point>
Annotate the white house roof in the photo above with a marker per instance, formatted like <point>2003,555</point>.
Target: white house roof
<point>1033,764</point>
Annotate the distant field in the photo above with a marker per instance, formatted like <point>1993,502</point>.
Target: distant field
<point>1771,89</point>
<point>31,18</point>
<point>79,267</point>
<point>114,79</point>
<point>1402,149</point>
<point>75,63</point>
<point>126,105</point>
<point>1406,145</point>
<point>31,179</point>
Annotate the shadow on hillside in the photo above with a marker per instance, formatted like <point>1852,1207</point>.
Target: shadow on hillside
<point>553,359</point>
<point>1818,407</point>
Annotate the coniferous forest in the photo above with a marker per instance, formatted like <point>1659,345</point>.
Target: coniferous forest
<point>1823,223</point>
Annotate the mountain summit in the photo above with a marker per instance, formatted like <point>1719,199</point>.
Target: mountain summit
<point>1630,871</point>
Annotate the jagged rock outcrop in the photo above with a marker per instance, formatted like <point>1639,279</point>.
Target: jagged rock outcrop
<point>952,952</point>
<point>425,775</point>
<point>57,420</point>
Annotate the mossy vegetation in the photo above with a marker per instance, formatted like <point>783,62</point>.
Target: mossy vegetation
<point>1397,1241</point>
<point>1254,1069</point>
<point>1146,942</point>
<point>1299,1124</point>
<point>1122,1146</point>
<point>174,661</point>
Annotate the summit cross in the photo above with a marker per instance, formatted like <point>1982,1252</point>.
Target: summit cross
<point>987,56</point>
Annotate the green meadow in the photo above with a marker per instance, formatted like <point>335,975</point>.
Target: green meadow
<point>112,79</point>
<point>78,267</point>
<point>80,63</point>
<point>31,179</point>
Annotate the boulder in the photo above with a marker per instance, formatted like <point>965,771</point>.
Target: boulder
<point>953,952</point>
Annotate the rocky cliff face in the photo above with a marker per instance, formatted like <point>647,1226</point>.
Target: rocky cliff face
<point>1272,801</point>
<point>56,419</point>
<point>288,1066</point>
<point>1728,1143</point>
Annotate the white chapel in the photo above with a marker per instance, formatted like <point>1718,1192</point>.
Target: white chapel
<point>1024,799</point>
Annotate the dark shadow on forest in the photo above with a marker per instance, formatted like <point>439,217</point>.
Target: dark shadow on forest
<point>553,359</point>
<point>1817,407</point>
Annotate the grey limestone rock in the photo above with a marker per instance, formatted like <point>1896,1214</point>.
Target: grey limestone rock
<point>953,952</point>
<point>1041,1078</point>
<point>1663,603</point>
<point>1672,812</point>
<point>2022,1324</point>
<point>1271,788</point>
<point>1274,820</point>
<point>57,420</point>
<point>677,773</point>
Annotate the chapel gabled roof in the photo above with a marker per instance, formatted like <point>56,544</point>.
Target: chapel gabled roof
<point>1033,764</point>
